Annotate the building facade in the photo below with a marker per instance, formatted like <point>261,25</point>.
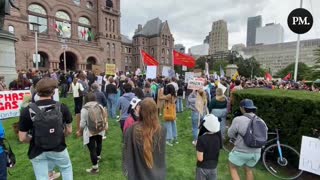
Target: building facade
<point>91,33</point>
<point>199,50</point>
<point>218,37</point>
<point>156,39</point>
<point>270,34</point>
<point>252,24</point>
<point>126,54</point>
<point>275,57</point>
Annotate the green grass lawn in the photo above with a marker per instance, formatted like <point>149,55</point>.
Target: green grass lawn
<point>181,158</point>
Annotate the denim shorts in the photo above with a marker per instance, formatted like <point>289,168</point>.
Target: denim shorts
<point>240,159</point>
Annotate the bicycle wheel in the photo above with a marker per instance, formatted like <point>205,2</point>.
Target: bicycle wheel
<point>288,167</point>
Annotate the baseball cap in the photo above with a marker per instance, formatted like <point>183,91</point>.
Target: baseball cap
<point>134,102</point>
<point>247,104</point>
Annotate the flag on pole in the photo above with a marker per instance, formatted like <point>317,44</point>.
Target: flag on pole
<point>221,71</point>
<point>183,60</point>
<point>268,76</point>
<point>235,75</point>
<point>55,26</point>
<point>148,59</point>
<point>288,77</point>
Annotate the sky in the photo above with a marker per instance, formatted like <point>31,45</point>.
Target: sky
<point>190,21</point>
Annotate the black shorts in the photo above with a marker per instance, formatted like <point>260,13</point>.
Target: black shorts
<point>78,101</point>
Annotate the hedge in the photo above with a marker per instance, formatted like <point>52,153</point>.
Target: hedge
<point>295,113</point>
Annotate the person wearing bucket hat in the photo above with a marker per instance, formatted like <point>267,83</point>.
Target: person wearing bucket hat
<point>133,111</point>
<point>242,155</point>
<point>208,148</point>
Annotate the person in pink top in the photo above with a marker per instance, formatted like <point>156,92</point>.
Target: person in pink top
<point>133,112</point>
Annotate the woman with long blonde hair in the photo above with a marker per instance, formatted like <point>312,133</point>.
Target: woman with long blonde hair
<point>144,145</point>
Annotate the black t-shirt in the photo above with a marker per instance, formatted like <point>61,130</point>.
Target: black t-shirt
<point>210,145</point>
<point>26,125</point>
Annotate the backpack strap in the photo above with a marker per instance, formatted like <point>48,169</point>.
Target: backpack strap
<point>35,108</point>
<point>57,106</point>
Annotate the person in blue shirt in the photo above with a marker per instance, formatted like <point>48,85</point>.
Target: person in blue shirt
<point>3,159</point>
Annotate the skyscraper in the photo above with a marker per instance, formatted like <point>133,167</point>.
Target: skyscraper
<point>218,37</point>
<point>252,24</point>
<point>269,34</point>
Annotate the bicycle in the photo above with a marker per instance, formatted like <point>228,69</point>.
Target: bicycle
<point>281,160</point>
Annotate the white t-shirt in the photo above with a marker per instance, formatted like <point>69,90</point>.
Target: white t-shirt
<point>75,89</point>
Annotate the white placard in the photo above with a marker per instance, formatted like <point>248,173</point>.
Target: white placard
<point>195,84</point>
<point>222,87</point>
<point>12,101</point>
<point>165,71</point>
<point>184,68</point>
<point>309,155</point>
<point>198,74</point>
<point>151,72</point>
<point>188,76</point>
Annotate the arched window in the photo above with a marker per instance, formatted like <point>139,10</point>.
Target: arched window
<point>37,14</point>
<point>11,29</point>
<point>126,60</point>
<point>113,50</point>
<point>108,49</point>
<point>63,24</point>
<point>163,51</point>
<point>84,29</point>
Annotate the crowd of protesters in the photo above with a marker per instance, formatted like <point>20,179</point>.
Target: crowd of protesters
<point>141,102</point>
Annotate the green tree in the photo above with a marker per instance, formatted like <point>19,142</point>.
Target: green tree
<point>315,70</point>
<point>303,71</point>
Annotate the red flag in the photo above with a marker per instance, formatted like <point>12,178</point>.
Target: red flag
<point>182,59</point>
<point>288,77</point>
<point>148,60</point>
<point>268,77</point>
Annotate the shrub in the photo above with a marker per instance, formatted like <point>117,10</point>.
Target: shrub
<point>295,113</point>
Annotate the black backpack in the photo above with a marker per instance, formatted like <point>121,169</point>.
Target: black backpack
<point>11,158</point>
<point>48,129</point>
<point>256,135</point>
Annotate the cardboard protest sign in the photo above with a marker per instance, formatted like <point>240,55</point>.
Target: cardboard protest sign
<point>188,76</point>
<point>195,85</point>
<point>110,69</point>
<point>97,70</point>
<point>151,72</point>
<point>309,155</point>
<point>11,102</point>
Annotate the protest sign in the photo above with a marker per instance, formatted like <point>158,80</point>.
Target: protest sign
<point>188,76</point>
<point>165,71</point>
<point>198,74</point>
<point>151,72</point>
<point>171,73</point>
<point>110,69</point>
<point>11,102</point>
<point>96,69</point>
<point>309,155</point>
<point>195,85</point>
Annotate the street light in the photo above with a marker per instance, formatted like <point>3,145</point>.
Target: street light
<point>35,28</point>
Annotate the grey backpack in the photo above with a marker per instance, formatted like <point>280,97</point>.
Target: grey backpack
<point>97,118</point>
<point>256,135</point>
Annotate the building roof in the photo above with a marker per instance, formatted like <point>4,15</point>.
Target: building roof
<point>151,28</point>
<point>125,39</point>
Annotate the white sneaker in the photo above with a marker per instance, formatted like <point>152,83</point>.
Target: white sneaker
<point>54,175</point>
<point>194,143</point>
<point>169,143</point>
<point>104,137</point>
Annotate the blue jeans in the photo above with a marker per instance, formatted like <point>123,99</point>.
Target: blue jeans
<point>179,107</point>
<point>171,130</point>
<point>222,114</point>
<point>112,104</point>
<point>61,159</point>
<point>195,124</point>
<point>3,166</point>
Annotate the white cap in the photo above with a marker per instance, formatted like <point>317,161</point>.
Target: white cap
<point>134,102</point>
<point>211,123</point>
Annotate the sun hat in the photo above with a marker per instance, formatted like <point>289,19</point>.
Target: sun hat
<point>247,104</point>
<point>134,102</point>
<point>211,123</point>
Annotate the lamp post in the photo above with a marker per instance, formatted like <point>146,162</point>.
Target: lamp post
<point>297,53</point>
<point>35,28</point>
<point>64,46</point>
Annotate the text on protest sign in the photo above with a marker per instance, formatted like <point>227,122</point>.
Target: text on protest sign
<point>309,155</point>
<point>110,69</point>
<point>195,84</point>
<point>10,102</point>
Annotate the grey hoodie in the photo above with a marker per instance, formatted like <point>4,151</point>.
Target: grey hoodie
<point>124,103</point>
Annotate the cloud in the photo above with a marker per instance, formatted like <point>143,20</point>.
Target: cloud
<point>190,20</point>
